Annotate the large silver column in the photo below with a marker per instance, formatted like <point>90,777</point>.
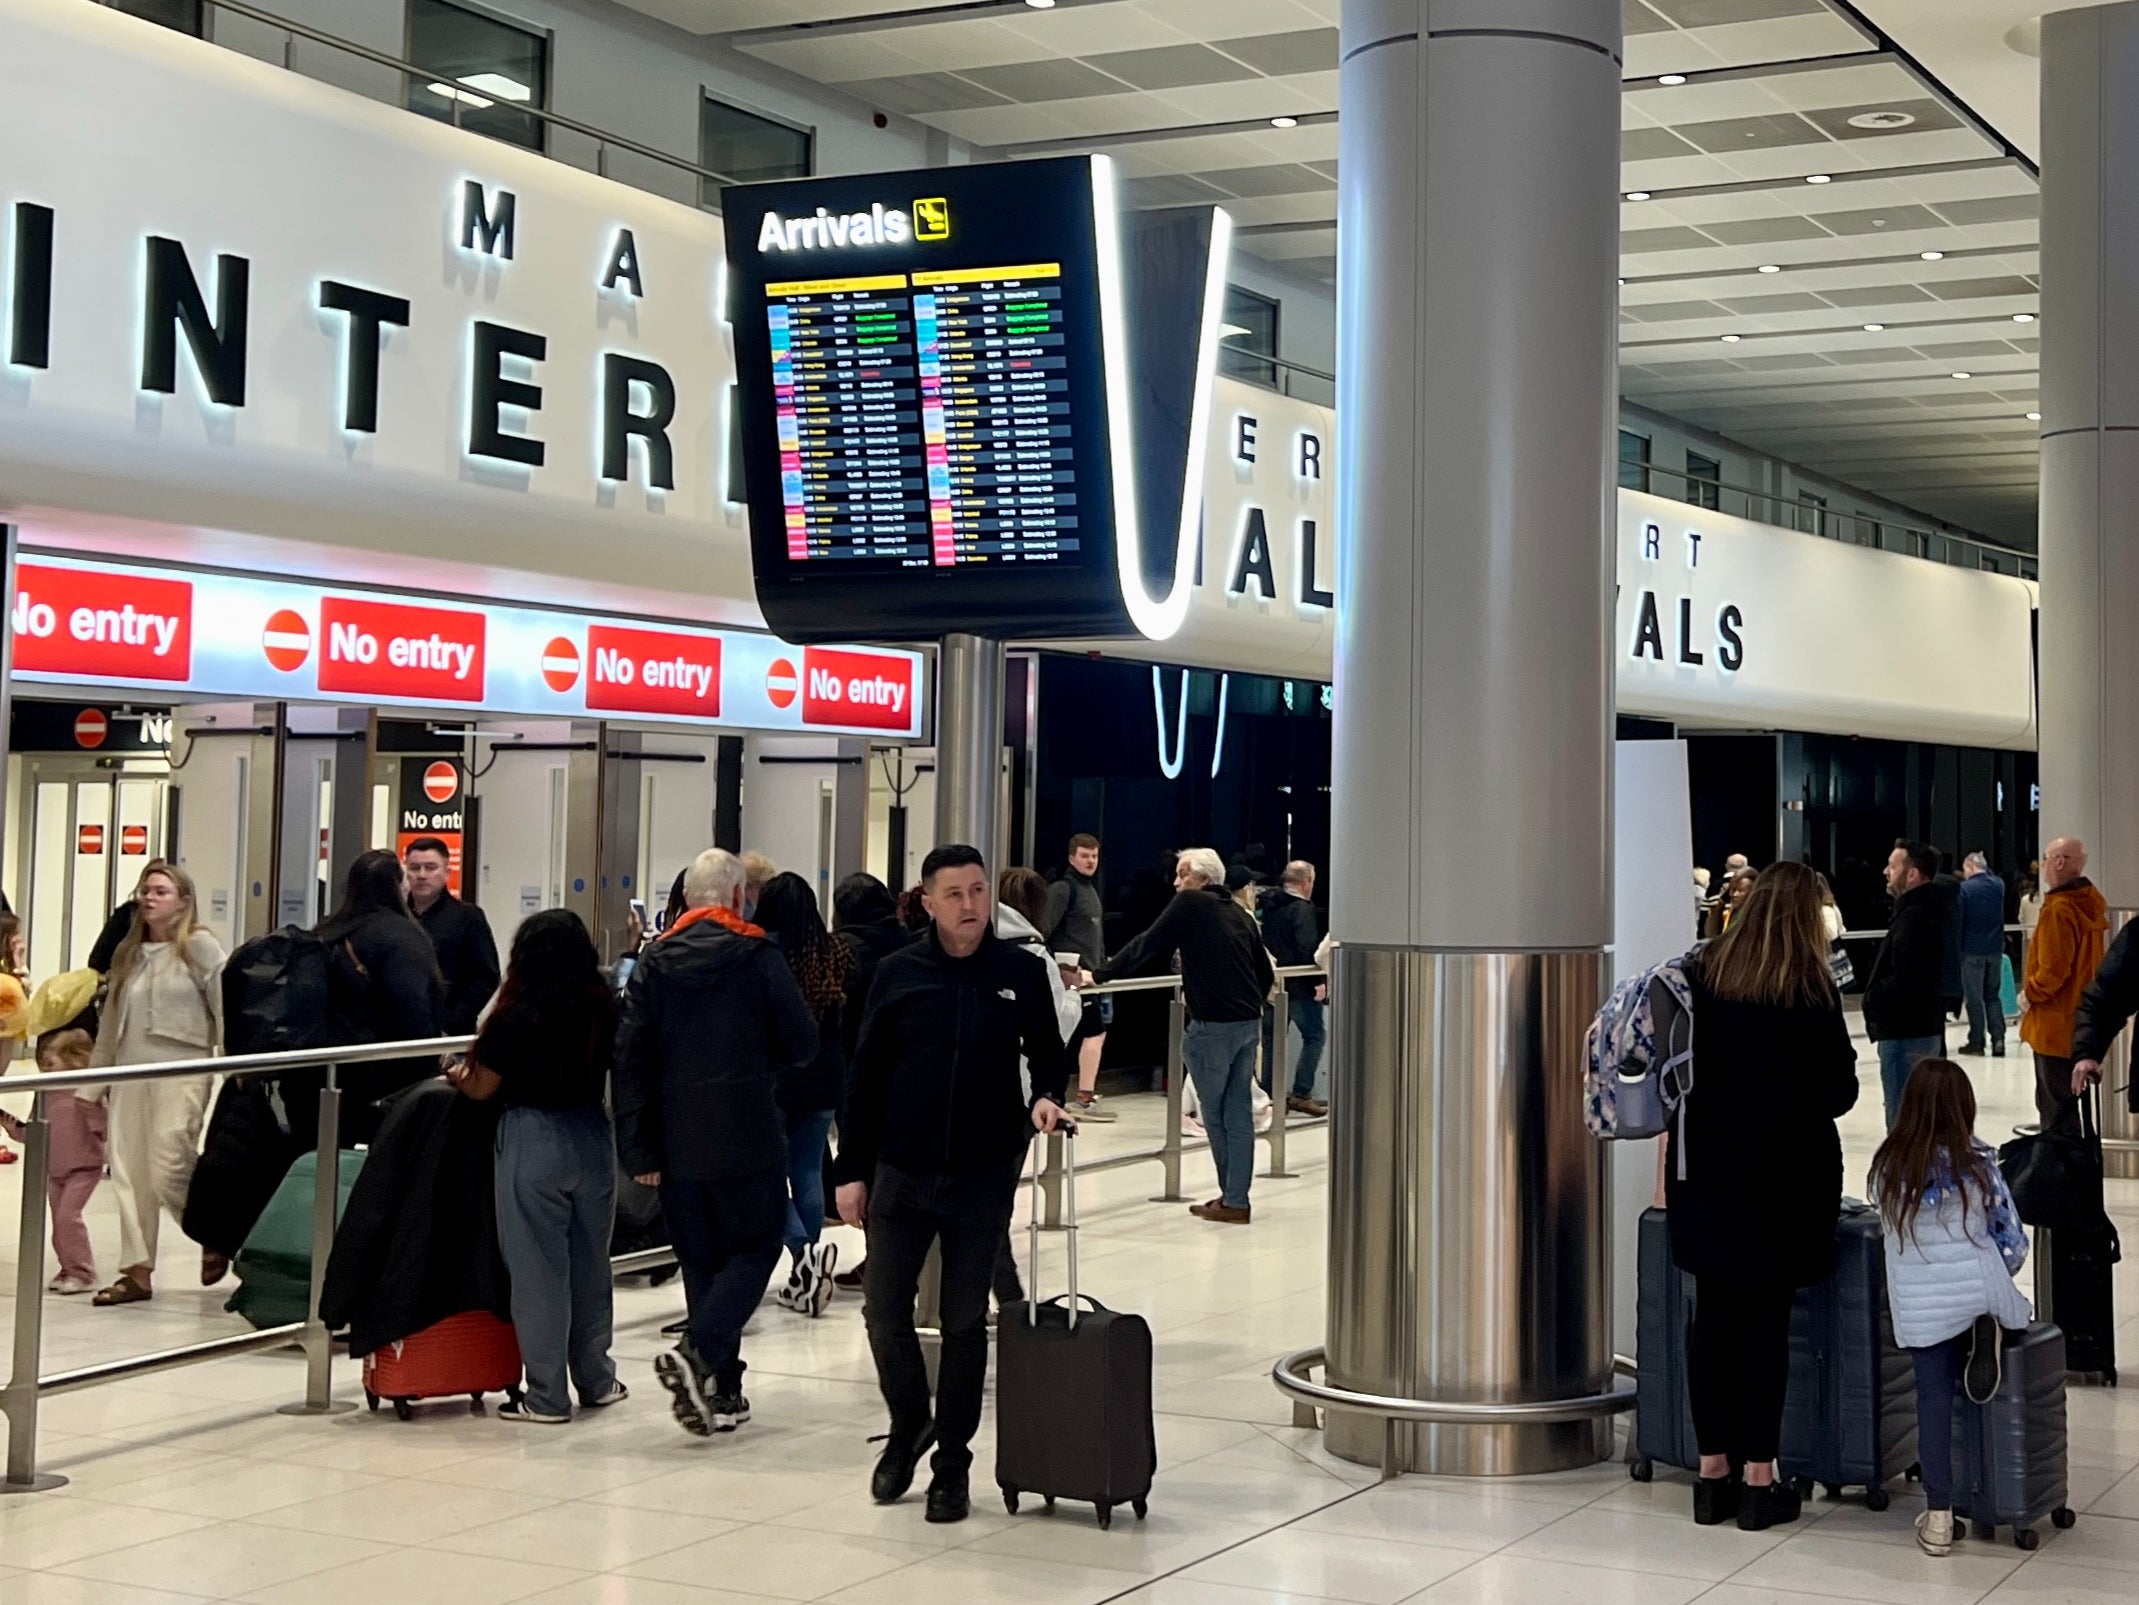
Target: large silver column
<point>1477,220</point>
<point>969,744</point>
<point>2090,455</point>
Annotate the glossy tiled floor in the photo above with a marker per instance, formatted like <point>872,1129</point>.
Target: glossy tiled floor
<point>187,1486</point>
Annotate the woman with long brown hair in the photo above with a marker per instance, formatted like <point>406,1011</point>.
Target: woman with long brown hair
<point>1753,1219</point>
<point>165,1003</point>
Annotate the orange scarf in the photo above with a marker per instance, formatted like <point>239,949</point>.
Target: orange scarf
<point>724,917</point>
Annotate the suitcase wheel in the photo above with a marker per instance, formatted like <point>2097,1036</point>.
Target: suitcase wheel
<point>1106,1516</point>
<point>1986,1530</point>
<point>1643,1470</point>
<point>1049,1507</point>
<point>1142,1509</point>
<point>1832,1490</point>
<point>2062,1517</point>
<point>2109,1375</point>
<point>371,1401</point>
<point>1804,1486</point>
<point>475,1404</point>
<point>1010,1499</point>
<point>405,1410</point>
<point>2027,1538</point>
<point>1877,1498</point>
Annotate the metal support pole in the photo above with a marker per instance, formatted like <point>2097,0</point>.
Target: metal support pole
<point>1280,1082</point>
<point>326,1189</point>
<point>19,1401</point>
<point>969,745</point>
<point>1170,1151</point>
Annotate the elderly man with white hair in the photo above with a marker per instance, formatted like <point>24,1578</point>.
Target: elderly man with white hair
<point>712,1020</point>
<point>1226,976</point>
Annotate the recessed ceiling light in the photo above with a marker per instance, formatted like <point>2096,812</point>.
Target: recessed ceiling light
<point>1041,5</point>
<point>2032,417</point>
<point>1873,328</point>
<point>1932,256</point>
<point>1767,267</point>
<point>1284,122</point>
<point>1674,79</point>
<point>1730,339</point>
<point>1962,373</point>
<point>2023,317</point>
<point>1818,178</point>
<point>1637,194</point>
<point>498,84</point>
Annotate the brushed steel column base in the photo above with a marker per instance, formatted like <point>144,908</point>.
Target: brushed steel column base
<point>1470,1251</point>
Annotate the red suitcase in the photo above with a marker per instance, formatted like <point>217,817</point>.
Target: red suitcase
<point>474,1353</point>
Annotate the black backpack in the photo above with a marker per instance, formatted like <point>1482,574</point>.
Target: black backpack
<point>277,993</point>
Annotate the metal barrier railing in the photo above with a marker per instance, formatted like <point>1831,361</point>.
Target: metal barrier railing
<point>27,1385</point>
<point>1168,1154</point>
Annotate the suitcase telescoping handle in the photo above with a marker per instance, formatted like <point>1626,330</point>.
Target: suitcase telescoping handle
<point>1068,1133</point>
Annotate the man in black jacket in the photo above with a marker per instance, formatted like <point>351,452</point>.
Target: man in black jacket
<point>2105,1009</point>
<point>460,933</point>
<point>1076,923</point>
<point>939,1113</point>
<point>1225,975</point>
<point>712,1017</point>
<point>1292,931</point>
<point>1905,1002</point>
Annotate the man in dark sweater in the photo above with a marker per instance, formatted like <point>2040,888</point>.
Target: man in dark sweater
<point>1226,976</point>
<point>712,1018</point>
<point>1076,923</point>
<point>959,1061</point>
<point>459,932</point>
<point>1905,1001</point>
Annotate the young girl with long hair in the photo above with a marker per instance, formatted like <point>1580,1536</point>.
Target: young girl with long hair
<point>544,1052</point>
<point>1754,1217</point>
<point>809,1096</point>
<point>165,1003</point>
<point>1953,1247</point>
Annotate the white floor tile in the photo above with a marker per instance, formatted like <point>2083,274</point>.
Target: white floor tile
<point>1506,1580</point>
<point>960,1577</point>
<point>781,1562</point>
<point>1625,1540</point>
<point>598,1537</point>
<point>1477,1516</point>
<point>1897,1573</point>
<point>221,1559</point>
<point>2044,1582</point>
<point>50,1588</point>
<point>416,1577</point>
<point>1332,1566</point>
<point>405,1512</point>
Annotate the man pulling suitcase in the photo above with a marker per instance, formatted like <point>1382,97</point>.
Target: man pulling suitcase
<point>938,1116</point>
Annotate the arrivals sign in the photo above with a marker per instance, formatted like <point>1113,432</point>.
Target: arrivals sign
<point>207,634</point>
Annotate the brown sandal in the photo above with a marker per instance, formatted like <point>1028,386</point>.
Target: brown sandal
<point>124,1291</point>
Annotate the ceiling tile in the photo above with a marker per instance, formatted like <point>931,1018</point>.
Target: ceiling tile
<point>1750,133</point>
<point>1760,304</point>
<point>1670,311</point>
<point>1980,289</point>
<point>1924,116</point>
<point>1967,348</point>
<point>1782,361</point>
<point>1638,18</point>
<point>1876,295</point>
<point>1028,81</point>
<point>1286,178</point>
<point>1650,144</point>
<point>916,93</point>
<point>1715,13</point>
<point>1994,209</point>
<point>1170,66</point>
<point>1632,242</point>
<point>1764,230</point>
<point>1171,189</point>
<point>1307,50</point>
<point>1874,219</point>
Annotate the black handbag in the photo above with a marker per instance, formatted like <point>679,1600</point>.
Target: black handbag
<point>2056,1178</point>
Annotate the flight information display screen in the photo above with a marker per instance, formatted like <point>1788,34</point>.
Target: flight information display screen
<point>925,393</point>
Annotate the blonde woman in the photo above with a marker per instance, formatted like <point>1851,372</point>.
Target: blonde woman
<point>164,1004</point>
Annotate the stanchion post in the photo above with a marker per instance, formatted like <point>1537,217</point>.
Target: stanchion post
<point>20,1397</point>
<point>1170,1149</point>
<point>326,1190</point>
<point>1280,1081</point>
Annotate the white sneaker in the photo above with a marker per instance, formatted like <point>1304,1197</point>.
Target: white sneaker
<point>794,1294</point>
<point>520,1410</point>
<point>822,1259</point>
<point>70,1284</point>
<point>1934,1532</point>
<point>617,1394</point>
<point>686,1390</point>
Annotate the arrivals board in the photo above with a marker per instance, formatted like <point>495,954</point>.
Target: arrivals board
<point>932,377</point>
<point>204,633</point>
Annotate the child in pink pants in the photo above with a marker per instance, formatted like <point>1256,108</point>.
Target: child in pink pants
<point>77,1159</point>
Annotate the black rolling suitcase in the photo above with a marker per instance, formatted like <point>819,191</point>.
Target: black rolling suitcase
<point>1663,1407</point>
<point>2009,1455</point>
<point>2073,1271</point>
<point>1104,1448</point>
<point>1849,1417</point>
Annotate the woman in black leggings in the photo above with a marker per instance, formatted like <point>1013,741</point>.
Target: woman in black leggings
<point>1754,1218</point>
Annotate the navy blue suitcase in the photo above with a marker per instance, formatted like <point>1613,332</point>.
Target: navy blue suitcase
<point>1849,1416</point>
<point>1663,1306</point>
<point>2009,1467</point>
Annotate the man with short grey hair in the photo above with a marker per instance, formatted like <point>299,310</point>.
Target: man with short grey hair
<point>1225,976</point>
<point>712,1019</point>
<point>1982,910</point>
<point>1292,929</point>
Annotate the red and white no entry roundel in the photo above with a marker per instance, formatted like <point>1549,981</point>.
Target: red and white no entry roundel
<point>440,781</point>
<point>90,727</point>
<point>560,664</point>
<point>781,683</point>
<point>287,640</point>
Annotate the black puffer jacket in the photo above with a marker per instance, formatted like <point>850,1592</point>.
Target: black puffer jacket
<point>712,1022</point>
<point>870,942</point>
<point>1905,996</point>
<point>419,1240</point>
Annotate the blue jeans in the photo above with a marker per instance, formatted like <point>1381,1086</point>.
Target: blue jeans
<point>1896,1059</point>
<point>1306,1014</point>
<point>1938,1372</point>
<point>1219,1056</point>
<point>556,1198</point>
<point>1981,975</point>
<point>805,1177</point>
